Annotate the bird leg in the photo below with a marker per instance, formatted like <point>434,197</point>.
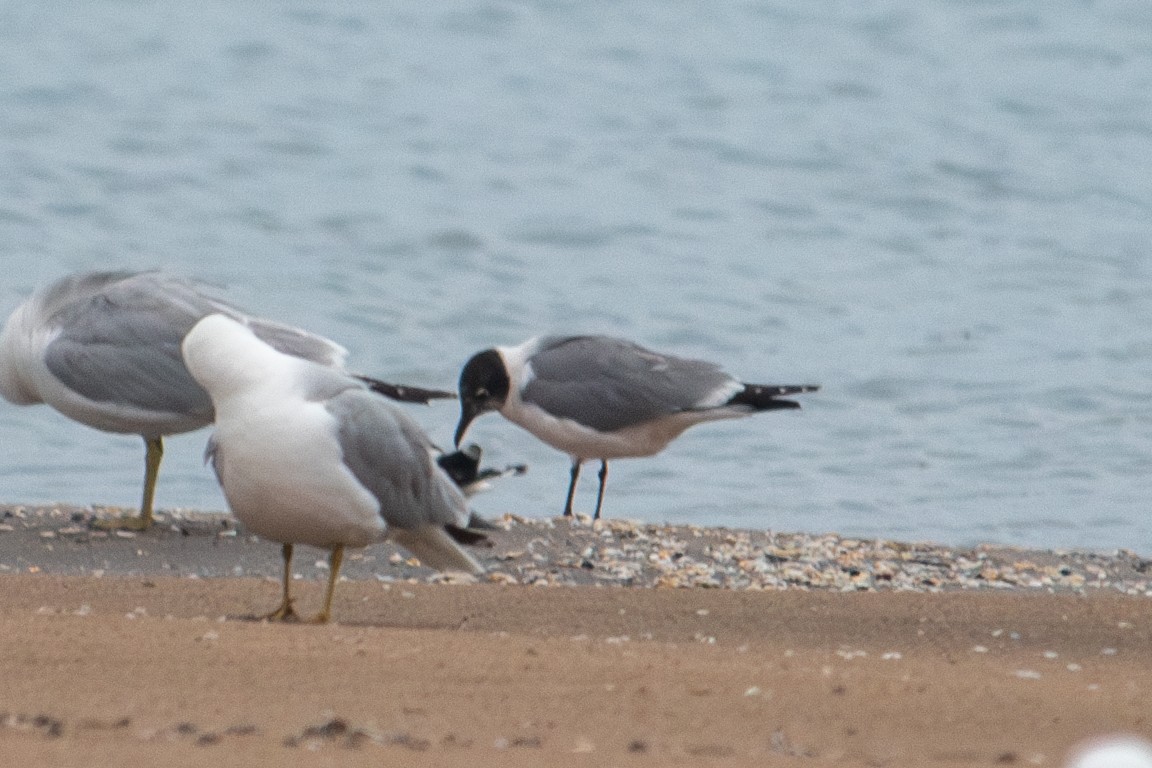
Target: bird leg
<point>603,475</point>
<point>154,452</point>
<point>572,487</point>
<point>334,561</point>
<point>285,611</point>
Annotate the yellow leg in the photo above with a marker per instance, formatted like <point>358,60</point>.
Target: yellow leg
<point>334,561</point>
<point>154,452</point>
<point>285,611</point>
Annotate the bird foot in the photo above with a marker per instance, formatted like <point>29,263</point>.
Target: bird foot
<point>284,613</point>
<point>123,523</point>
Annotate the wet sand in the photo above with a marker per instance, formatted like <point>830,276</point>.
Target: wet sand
<point>131,651</point>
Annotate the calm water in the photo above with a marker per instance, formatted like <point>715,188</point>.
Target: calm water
<point>938,210</point>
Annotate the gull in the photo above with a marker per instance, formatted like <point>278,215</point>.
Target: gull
<point>599,397</point>
<point>103,348</point>
<point>309,455</point>
<point>463,466</point>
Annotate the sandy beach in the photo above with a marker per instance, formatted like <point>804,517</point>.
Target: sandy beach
<point>587,646</point>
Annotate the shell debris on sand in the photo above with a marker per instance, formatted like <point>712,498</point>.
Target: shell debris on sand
<point>547,551</point>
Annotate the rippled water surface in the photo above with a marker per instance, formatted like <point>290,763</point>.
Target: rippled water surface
<point>940,211</point>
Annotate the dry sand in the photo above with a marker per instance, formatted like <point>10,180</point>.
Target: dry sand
<point>142,665</point>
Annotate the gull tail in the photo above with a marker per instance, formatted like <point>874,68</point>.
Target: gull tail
<point>763,397</point>
<point>405,394</point>
<point>436,547</point>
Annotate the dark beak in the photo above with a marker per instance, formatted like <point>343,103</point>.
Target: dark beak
<point>469,410</point>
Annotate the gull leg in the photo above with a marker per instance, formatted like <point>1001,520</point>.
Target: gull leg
<point>154,452</point>
<point>572,487</point>
<point>603,475</point>
<point>334,561</point>
<point>285,611</point>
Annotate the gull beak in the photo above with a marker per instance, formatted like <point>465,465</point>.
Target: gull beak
<point>469,410</point>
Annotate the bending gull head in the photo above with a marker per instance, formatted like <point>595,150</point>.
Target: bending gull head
<point>308,455</point>
<point>599,397</point>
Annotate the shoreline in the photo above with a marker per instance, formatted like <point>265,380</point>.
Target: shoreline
<point>556,551</point>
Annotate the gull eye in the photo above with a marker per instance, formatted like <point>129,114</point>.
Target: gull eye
<point>482,392</point>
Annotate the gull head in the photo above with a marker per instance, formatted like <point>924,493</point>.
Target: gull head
<point>226,357</point>
<point>484,386</point>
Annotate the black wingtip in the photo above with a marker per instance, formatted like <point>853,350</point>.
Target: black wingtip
<point>466,536</point>
<point>477,524</point>
<point>763,397</point>
<point>404,393</point>
<point>512,469</point>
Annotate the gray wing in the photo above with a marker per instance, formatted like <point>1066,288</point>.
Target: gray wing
<point>608,384</point>
<point>390,455</point>
<point>120,336</point>
<point>188,296</point>
<point>119,340</point>
<point>298,342</point>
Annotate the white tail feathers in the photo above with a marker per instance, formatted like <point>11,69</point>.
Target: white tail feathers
<point>435,548</point>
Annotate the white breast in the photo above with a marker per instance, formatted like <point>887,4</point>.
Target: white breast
<point>581,442</point>
<point>282,472</point>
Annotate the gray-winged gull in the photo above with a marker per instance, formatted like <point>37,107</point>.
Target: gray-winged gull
<point>598,397</point>
<point>309,455</point>
<point>103,348</point>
